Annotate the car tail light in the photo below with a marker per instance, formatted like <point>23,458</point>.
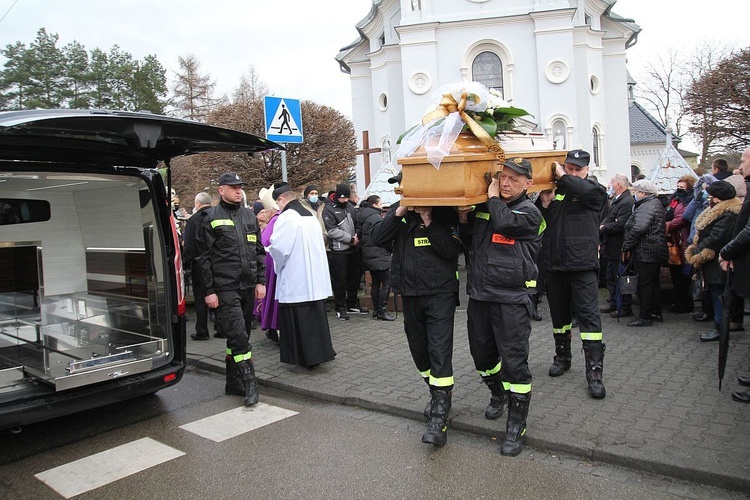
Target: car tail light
<point>170,377</point>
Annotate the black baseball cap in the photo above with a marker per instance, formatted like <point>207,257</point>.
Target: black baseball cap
<point>578,157</point>
<point>230,179</point>
<point>520,165</point>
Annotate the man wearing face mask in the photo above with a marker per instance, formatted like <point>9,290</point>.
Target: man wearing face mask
<point>612,230</point>
<point>311,201</point>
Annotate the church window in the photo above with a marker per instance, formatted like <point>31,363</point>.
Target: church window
<point>595,141</point>
<point>487,69</point>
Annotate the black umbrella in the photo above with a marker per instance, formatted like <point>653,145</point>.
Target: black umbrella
<point>726,302</point>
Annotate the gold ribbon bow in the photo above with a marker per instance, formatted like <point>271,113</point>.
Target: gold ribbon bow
<point>449,105</point>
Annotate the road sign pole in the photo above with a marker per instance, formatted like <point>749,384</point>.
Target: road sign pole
<point>283,166</point>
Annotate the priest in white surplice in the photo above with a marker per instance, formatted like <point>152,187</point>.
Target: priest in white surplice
<point>303,282</point>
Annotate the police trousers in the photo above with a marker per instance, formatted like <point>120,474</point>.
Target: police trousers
<point>499,341</point>
<point>428,323</point>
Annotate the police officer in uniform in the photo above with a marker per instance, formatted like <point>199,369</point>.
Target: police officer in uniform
<point>503,236</point>
<point>230,257</point>
<point>424,268</point>
<point>570,249</point>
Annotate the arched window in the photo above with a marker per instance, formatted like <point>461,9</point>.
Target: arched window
<point>595,142</point>
<point>635,171</point>
<point>487,69</point>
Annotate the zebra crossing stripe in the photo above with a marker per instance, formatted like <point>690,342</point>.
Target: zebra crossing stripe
<point>238,421</point>
<point>107,466</point>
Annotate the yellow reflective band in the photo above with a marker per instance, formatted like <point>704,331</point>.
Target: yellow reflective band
<point>482,215</point>
<point>403,219</point>
<point>252,238</point>
<point>457,276</point>
<point>441,381</point>
<point>491,371</point>
<point>542,226</point>
<point>559,197</point>
<point>506,385</point>
<point>591,336</point>
<point>531,284</point>
<point>564,329</point>
<point>422,242</point>
<point>229,351</point>
<point>425,374</point>
<point>243,357</point>
<point>519,388</point>
<point>221,222</point>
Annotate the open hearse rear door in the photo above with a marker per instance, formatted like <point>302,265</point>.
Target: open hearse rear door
<point>91,302</point>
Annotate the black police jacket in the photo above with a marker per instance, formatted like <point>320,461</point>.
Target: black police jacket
<point>503,242</point>
<point>425,259</point>
<point>230,254</point>
<point>571,240</point>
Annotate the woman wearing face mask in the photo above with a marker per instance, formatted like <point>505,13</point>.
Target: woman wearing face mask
<point>714,229</point>
<point>677,230</point>
<point>646,243</point>
<point>312,202</point>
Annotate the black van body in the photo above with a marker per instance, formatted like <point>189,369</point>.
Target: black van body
<point>92,306</point>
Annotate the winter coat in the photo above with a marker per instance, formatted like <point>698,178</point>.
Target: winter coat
<point>738,251</point>
<point>339,223</point>
<point>229,251</point>
<point>714,229</point>
<point>503,242</point>
<point>425,259</point>
<point>375,258</point>
<point>613,225</point>
<point>571,240</point>
<point>644,232</point>
<point>678,229</point>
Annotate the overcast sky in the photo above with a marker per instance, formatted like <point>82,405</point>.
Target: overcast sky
<point>292,43</point>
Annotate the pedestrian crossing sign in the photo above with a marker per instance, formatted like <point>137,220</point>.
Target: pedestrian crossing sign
<point>283,119</point>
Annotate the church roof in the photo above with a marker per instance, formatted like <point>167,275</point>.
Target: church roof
<point>669,168</point>
<point>644,128</point>
<point>381,187</point>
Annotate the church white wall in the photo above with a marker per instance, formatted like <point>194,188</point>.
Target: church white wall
<point>615,93</point>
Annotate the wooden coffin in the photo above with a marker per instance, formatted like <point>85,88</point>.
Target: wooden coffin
<point>460,180</point>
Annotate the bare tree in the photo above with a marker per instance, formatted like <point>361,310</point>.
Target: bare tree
<point>193,91</point>
<point>663,86</point>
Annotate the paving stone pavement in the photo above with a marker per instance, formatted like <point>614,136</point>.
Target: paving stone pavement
<point>663,412</point>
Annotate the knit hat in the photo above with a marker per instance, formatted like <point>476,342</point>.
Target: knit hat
<point>738,182</point>
<point>343,191</point>
<point>645,186</point>
<point>257,207</point>
<point>721,190</point>
<point>309,188</point>
<point>279,188</point>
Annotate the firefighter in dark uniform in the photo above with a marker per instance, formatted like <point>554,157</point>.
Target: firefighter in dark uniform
<point>230,257</point>
<point>571,252</point>
<point>424,269</point>
<point>503,236</point>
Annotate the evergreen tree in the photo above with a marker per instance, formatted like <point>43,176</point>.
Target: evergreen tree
<point>193,91</point>
<point>15,79</point>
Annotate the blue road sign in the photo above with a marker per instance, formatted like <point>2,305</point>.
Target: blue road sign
<point>283,119</point>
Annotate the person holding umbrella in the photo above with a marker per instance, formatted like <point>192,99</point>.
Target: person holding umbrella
<point>645,242</point>
<point>714,230</point>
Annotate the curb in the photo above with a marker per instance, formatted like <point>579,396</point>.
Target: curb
<point>638,464</point>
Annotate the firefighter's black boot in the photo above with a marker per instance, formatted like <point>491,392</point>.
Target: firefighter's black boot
<point>518,410</point>
<point>437,427</point>
<point>235,385</point>
<point>426,411</point>
<point>593,350</point>
<point>495,409</point>
<point>251,384</point>
<point>563,355</point>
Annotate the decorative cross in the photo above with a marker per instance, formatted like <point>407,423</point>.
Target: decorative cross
<point>366,151</point>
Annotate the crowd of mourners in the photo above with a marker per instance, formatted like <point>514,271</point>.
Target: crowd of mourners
<point>282,259</point>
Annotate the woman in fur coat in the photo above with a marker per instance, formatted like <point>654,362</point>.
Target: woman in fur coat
<point>714,229</point>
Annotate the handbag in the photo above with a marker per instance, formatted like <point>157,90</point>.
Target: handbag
<point>626,282</point>
<point>675,255</point>
<point>698,288</point>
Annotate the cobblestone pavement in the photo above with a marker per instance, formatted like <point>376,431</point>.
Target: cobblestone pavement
<point>663,412</point>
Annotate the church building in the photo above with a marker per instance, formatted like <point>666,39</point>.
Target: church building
<point>564,61</point>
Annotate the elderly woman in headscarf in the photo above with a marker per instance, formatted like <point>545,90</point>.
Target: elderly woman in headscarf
<point>714,229</point>
<point>646,242</point>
